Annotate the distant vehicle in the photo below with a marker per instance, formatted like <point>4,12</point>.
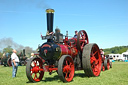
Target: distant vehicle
<point>6,60</point>
<point>106,63</point>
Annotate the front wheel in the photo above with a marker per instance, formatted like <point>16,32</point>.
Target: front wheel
<point>66,68</point>
<point>34,69</point>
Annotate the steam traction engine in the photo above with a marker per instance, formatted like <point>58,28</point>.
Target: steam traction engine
<point>106,63</point>
<point>6,60</point>
<point>64,55</point>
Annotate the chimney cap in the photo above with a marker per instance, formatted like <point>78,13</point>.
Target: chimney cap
<point>50,10</point>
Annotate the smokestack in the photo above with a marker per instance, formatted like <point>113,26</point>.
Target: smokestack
<point>24,52</point>
<point>50,14</point>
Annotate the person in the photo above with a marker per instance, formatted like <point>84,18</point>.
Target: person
<point>102,52</point>
<point>76,33</point>
<point>32,54</point>
<point>15,62</point>
<point>58,36</point>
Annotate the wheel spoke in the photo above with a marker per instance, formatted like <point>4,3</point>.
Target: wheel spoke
<point>66,62</point>
<point>96,68</point>
<point>35,76</point>
<point>34,63</point>
<point>84,36</point>
<point>95,53</point>
<point>41,69</point>
<point>69,75</point>
<point>81,35</point>
<point>93,59</point>
<point>66,75</point>
<point>82,45</point>
<point>70,64</point>
<point>96,62</point>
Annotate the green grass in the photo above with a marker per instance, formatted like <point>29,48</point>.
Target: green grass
<point>118,75</point>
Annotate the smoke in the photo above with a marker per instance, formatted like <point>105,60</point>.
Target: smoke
<point>8,42</point>
<point>5,42</point>
<point>42,5</point>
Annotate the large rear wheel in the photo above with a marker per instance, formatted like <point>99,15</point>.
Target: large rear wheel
<point>82,40</point>
<point>91,60</point>
<point>34,69</point>
<point>66,68</point>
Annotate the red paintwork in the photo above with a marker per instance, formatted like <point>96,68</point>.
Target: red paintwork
<point>37,70</point>
<point>108,64</point>
<point>95,61</point>
<point>68,69</point>
<point>83,36</point>
<point>103,68</point>
<point>68,50</point>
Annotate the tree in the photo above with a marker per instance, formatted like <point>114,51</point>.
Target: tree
<point>7,50</point>
<point>1,55</point>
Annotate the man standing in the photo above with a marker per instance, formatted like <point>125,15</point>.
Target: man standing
<point>15,62</point>
<point>76,33</point>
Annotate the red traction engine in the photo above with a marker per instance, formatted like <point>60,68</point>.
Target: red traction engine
<point>106,63</point>
<point>64,55</point>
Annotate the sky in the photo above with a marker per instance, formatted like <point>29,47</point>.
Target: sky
<point>105,21</point>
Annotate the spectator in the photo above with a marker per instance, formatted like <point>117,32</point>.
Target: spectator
<point>76,33</point>
<point>102,52</point>
<point>32,55</point>
<point>15,62</point>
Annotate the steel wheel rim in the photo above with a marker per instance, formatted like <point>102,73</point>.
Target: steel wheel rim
<point>82,39</point>
<point>36,69</point>
<point>95,60</point>
<point>9,62</point>
<point>68,69</point>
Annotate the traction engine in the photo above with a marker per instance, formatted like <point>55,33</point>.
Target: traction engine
<point>106,63</point>
<point>64,55</point>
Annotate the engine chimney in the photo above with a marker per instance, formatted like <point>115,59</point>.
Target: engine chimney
<point>24,52</point>
<point>50,14</point>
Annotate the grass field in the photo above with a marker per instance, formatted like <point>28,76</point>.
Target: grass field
<point>118,75</point>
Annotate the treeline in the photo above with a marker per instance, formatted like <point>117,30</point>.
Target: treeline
<point>116,50</point>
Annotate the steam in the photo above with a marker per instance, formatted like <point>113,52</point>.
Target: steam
<point>5,42</point>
